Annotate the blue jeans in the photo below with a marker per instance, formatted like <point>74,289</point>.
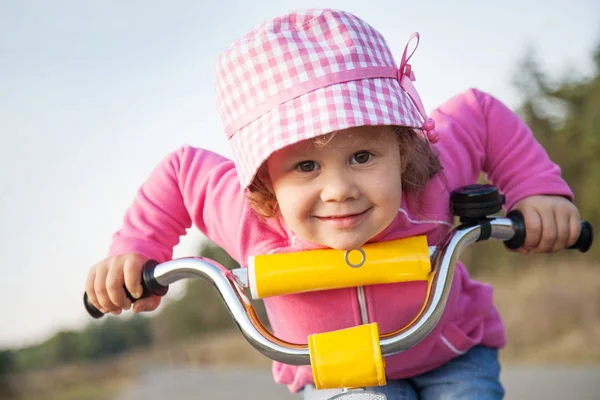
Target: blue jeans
<point>473,375</point>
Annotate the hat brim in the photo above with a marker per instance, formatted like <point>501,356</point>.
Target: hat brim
<point>374,101</point>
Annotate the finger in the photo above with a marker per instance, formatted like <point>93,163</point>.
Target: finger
<point>561,218</point>
<point>549,232</point>
<point>133,275</point>
<point>114,284</point>
<point>533,228</point>
<point>90,291</point>
<point>101,293</point>
<point>146,304</point>
<point>574,228</point>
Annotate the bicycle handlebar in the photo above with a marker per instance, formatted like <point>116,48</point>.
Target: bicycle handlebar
<point>157,277</point>
<point>583,243</point>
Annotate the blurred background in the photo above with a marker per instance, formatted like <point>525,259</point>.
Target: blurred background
<point>94,94</point>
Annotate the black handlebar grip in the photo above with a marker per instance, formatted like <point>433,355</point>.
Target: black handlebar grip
<point>583,243</point>
<point>149,284</point>
<point>585,239</point>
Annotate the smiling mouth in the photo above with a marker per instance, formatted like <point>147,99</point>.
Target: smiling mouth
<point>343,216</point>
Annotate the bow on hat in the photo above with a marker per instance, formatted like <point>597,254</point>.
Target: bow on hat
<point>406,77</point>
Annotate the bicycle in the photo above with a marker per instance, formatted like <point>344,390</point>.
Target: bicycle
<point>473,204</point>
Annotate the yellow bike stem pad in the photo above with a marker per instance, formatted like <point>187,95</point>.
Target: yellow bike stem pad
<point>398,260</point>
<point>347,358</point>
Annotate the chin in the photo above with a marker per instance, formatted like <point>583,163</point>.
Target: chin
<point>346,244</point>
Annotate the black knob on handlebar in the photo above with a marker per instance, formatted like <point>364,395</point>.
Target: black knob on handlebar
<point>149,284</point>
<point>475,202</point>
<point>90,308</point>
<point>583,243</point>
<point>585,239</point>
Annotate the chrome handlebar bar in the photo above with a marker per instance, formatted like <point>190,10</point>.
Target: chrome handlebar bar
<point>231,290</point>
<point>230,285</point>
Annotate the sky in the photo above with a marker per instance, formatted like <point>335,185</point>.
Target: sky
<point>94,94</point>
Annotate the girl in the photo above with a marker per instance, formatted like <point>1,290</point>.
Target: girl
<point>333,149</point>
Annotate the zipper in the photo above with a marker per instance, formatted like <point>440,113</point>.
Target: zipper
<point>362,303</point>
<point>362,300</point>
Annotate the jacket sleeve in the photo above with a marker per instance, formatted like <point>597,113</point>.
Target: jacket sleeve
<point>189,186</point>
<point>487,136</point>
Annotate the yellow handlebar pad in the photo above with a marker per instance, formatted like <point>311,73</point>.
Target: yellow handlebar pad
<point>348,358</point>
<point>398,260</point>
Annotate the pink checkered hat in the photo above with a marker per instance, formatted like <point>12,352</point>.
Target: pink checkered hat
<point>306,74</point>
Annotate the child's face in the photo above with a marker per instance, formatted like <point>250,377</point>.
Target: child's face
<point>342,193</point>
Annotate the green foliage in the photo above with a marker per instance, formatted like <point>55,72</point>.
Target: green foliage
<point>7,362</point>
<point>113,336</point>
<point>98,340</point>
<point>7,366</point>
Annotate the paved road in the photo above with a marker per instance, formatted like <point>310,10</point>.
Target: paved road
<point>194,384</point>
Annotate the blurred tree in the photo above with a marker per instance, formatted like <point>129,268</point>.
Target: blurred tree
<point>114,335</point>
<point>7,366</point>
<point>64,347</point>
<point>7,362</point>
<point>98,340</point>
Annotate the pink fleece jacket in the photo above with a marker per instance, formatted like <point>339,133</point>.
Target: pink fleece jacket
<point>477,133</point>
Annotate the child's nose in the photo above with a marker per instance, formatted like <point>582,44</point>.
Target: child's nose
<point>338,187</point>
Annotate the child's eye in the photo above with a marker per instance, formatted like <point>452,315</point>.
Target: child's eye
<point>307,166</point>
<point>361,157</point>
